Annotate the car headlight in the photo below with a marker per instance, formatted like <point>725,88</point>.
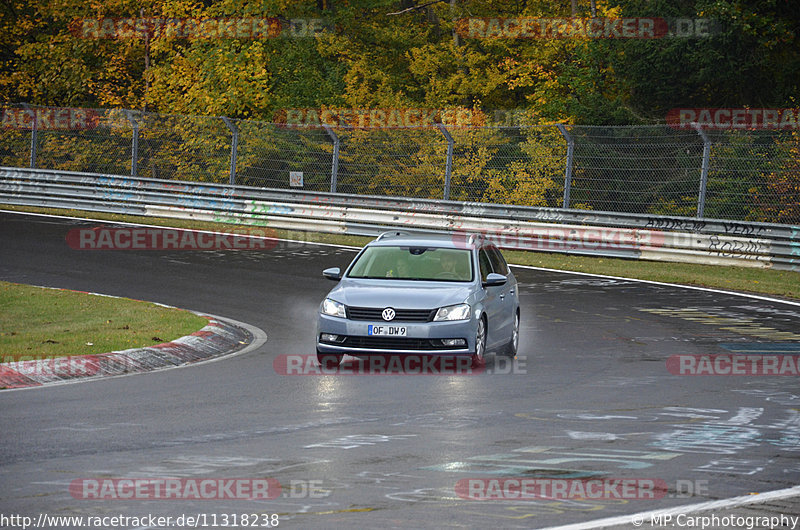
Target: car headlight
<point>453,312</point>
<point>333,308</point>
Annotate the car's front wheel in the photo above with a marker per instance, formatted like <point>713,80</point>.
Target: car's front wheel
<point>479,356</point>
<point>329,360</point>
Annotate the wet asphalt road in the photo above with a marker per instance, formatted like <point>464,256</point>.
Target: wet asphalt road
<point>590,396</point>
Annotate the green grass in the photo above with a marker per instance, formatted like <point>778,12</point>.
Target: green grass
<point>41,323</point>
<point>745,279</point>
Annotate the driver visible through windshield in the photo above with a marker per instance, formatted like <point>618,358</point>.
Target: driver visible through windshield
<point>414,263</point>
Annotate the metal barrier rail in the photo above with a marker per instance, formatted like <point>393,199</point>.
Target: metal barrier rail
<point>679,239</point>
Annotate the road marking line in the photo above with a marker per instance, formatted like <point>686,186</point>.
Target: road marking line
<point>732,502</point>
<point>652,282</point>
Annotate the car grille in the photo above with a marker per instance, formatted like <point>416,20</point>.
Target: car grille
<point>401,315</point>
<point>389,343</point>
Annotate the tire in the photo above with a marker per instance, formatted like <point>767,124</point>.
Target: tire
<point>479,356</point>
<point>513,345</point>
<point>329,360</point>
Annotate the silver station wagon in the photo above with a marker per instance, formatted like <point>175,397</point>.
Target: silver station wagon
<point>421,294</point>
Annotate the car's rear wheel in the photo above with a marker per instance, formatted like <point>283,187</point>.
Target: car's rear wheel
<point>513,344</point>
<point>479,356</point>
<point>329,360</point>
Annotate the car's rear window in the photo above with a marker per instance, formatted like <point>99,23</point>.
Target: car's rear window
<point>413,263</point>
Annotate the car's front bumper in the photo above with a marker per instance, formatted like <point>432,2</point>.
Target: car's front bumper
<point>418,333</point>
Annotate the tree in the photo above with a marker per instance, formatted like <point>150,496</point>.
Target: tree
<point>780,197</point>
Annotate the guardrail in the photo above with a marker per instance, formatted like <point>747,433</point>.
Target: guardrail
<point>679,239</point>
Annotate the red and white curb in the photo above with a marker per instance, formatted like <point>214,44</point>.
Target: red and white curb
<point>219,337</point>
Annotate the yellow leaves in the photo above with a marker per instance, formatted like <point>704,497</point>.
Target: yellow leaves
<point>607,11</point>
<point>533,180</point>
<point>780,199</point>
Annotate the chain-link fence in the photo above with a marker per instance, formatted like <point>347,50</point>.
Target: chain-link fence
<point>751,175</point>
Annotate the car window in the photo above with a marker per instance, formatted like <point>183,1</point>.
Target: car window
<point>499,264</point>
<point>413,263</point>
<point>485,263</point>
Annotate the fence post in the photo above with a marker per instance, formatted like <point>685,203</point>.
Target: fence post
<point>335,159</point>
<point>134,143</point>
<point>701,199</point>
<point>234,147</point>
<point>448,168</point>
<point>34,135</point>
<point>568,173</point>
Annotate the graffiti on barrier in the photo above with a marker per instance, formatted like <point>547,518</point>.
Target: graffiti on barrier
<point>750,249</point>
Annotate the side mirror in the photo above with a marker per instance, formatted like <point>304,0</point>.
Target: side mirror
<point>334,273</point>
<point>493,279</point>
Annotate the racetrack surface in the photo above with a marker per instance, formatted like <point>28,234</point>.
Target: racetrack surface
<point>590,397</point>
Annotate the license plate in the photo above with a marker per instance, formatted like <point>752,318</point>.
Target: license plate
<point>394,331</point>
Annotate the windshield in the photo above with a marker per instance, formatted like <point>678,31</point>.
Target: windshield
<point>414,263</point>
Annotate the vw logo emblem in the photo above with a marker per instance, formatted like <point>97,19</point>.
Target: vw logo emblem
<point>388,314</point>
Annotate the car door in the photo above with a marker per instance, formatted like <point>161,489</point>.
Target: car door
<point>493,302</point>
<point>507,294</point>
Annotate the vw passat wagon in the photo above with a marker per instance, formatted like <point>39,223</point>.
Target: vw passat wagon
<point>421,294</point>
